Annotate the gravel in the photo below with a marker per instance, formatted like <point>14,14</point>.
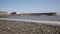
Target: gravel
<point>16,27</point>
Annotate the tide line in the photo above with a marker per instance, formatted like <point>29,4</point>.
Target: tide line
<point>35,21</point>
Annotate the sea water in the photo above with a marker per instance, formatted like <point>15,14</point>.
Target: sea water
<point>51,18</point>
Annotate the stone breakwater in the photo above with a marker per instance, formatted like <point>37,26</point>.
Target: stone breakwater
<point>19,27</point>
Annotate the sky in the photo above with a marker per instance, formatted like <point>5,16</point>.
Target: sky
<point>30,6</point>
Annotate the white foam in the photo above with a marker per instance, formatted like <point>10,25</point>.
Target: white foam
<point>36,21</point>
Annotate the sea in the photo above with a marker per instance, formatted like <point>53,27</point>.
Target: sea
<point>49,18</point>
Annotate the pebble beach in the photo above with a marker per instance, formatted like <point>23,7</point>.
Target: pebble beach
<point>20,27</point>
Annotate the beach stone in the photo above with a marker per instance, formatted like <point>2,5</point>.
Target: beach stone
<point>12,27</point>
<point>8,28</point>
<point>17,33</point>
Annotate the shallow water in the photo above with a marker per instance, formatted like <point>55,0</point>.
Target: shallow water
<point>51,18</point>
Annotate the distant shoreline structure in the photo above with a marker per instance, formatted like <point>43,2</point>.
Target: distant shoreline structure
<point>27,14</point>
<point>33,14</point>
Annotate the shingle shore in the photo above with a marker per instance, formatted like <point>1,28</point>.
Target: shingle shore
<point>15,27</point>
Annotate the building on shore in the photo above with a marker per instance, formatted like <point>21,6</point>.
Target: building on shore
<point>15,14</point>
<point>33,14</point>
<point>40,14</point>
<point>3,13</point>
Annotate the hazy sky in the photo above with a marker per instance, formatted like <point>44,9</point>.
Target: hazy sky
<point>28,6</point>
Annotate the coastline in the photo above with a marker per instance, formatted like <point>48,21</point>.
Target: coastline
<point>56,23</point>
<point>21,27</point>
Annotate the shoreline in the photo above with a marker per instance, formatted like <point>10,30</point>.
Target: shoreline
<point>57,23</point>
